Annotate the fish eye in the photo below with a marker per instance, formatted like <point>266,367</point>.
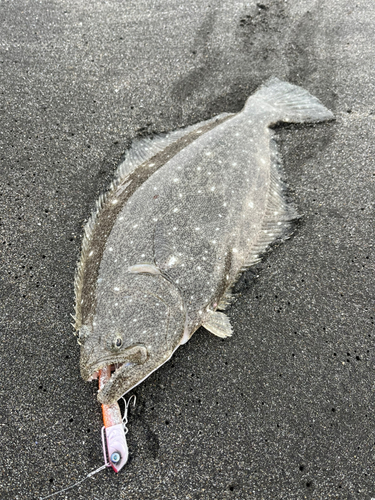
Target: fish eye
<point>118,342</point>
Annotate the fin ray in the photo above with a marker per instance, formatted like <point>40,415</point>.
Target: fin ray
<point>291,103</point>
<point>218,323</point>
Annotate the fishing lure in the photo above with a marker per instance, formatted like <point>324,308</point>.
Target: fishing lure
<point>115,448</point>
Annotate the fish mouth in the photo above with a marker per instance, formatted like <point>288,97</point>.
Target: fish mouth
<point>121,373</point>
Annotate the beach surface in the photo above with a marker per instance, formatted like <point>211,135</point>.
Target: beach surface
<point>282,410</point>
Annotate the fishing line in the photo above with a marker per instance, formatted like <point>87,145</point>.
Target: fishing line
<point>77,483</point>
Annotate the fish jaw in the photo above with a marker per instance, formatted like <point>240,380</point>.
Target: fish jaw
<point>133,355</point>
<point>128,376</point>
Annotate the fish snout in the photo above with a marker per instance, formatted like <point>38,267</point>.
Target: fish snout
<point>132,372</point>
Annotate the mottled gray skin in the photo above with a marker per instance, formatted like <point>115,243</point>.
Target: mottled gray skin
<point>201,218</point>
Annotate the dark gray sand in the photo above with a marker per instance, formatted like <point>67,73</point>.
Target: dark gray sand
<point>282,410</point>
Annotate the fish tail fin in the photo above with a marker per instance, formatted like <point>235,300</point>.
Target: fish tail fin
<point>290,103</point>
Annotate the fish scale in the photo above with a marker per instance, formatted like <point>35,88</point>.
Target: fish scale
<point>187,213</point>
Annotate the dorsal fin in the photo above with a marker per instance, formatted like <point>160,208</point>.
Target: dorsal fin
<point>145,148</point>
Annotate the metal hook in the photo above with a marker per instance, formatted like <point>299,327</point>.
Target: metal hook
<point>125,416</point>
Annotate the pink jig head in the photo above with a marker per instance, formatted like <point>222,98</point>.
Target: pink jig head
<point>115,448</point>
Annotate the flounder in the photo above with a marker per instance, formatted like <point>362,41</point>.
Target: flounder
<point>187,213</point>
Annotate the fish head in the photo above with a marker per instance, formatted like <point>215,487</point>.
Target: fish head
<point>135,329</point>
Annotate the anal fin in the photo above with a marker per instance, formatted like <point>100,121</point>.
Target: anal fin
<point>218,323</point>
<point>225,301</point>
<point>279,213</point>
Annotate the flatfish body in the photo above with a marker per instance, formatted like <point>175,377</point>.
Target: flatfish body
<point>187,213</point>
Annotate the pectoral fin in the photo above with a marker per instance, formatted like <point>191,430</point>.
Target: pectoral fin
<point>163,253</point>
<point>144,268</point>
<point>218,323</point>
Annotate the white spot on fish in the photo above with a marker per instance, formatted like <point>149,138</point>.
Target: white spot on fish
<point>110,249</point>
<point>116,289</point>
<point>91,253</point>
<point>114,201</point>
<point>251,204</point>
